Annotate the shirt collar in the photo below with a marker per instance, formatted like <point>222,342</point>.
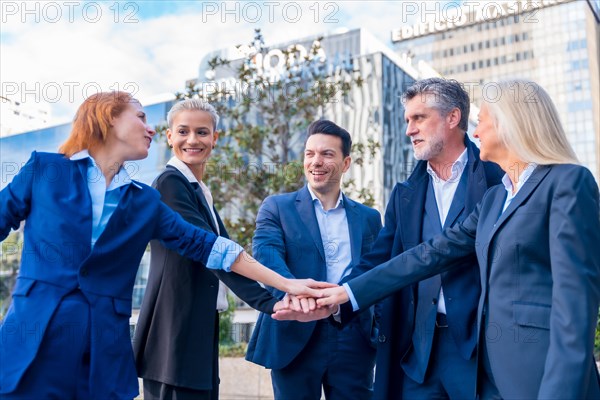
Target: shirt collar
<point>522,179</point>
<point>339,203</point>
<point>121,178</point>
<point>184,169</point>
<point>458,167</point>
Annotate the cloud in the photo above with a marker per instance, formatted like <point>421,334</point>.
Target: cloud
<point>61,60</point>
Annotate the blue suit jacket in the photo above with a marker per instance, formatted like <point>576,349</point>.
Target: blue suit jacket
<point>287,240</point>
<point>396,314</point>
<point>539,264</point>
<point>51,194</point>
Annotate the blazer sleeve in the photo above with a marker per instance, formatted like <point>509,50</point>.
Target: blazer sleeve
<point>176,194</point>
<point>574,228</point>
<point>15,198</point>
<point>268,244</point>
<point>442,253</point>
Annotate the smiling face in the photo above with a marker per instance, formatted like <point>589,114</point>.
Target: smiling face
<point>324,163</point>
<point>426,127</point>
<point>130,136</point>
<point>193,137</point>
<point>491,148</point>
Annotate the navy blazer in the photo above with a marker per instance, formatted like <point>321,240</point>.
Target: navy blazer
<point>51,194</point>
<point>287,240</point>
<point>539,265</point>
<point>396,314</point>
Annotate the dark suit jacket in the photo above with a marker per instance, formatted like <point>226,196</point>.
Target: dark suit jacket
<point>176,338</point>
<point>540,276</point>
<point>51,194</point>
<point>396,314</point>
<point>287,240</point>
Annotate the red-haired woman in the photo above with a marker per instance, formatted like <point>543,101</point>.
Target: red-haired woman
<point>66,333</point>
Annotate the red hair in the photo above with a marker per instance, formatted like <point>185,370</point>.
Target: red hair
<point>93,121</point>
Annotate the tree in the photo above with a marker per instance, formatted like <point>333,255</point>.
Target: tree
<point>265,115</point>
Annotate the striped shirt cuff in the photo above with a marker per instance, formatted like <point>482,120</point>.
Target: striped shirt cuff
<point>223,254</point>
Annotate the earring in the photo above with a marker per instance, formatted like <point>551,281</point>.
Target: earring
<point>170,146</point>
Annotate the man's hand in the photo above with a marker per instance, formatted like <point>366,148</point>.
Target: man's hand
<point>296,304</point>
<point>314,315</point>
<point>332,296</point>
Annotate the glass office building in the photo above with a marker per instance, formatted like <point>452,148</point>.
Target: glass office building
<point>554,43</point>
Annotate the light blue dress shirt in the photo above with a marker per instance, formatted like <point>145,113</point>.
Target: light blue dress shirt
<point>335,236</point>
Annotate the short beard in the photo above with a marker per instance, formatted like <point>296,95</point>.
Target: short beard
<point>433,150</point>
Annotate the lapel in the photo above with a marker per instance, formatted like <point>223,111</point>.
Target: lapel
<point>412,203</point>
<point>205,208</point>
<point>355,228</point>
<point>534,180</point>
<point>222,229</point>
<point>306,213</point>
<point>458,202</point>
<point>203,204</point>
<point>431,214</point>
<point>476,179</point>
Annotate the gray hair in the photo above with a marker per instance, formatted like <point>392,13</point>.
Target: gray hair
<point>448,94</point>
<point>527,122</point>
<point>193,105</point>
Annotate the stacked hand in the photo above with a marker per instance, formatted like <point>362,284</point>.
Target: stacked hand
<point>309,300</point>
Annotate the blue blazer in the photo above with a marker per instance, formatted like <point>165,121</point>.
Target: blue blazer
<point>396,314</point>
<point>287,240</point>
<point>51,194</point>
<point>539,267</point>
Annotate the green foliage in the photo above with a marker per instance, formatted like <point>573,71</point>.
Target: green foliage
<point>265,119</point>
<point>597,340</point>
<point>233,350</point>
<point>9,268</point>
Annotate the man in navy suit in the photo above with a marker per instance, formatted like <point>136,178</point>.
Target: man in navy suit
<point>427,332</point>
<point>316,232</point>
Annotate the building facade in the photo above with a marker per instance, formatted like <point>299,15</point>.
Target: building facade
<point>554,43</point>
<point>371,111</point>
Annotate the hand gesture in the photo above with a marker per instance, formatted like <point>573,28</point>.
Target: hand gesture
<point>314,315</point>
<point>332,296</point>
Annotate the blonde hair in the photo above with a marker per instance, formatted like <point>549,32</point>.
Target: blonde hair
<point>193,105</point>
<point>528,124</point>
<point>92,121</point>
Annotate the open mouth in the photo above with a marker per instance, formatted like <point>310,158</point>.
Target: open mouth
<point>193,151</point>
<point>417,141</point>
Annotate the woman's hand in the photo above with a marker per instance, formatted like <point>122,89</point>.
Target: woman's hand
<point>304,288</point>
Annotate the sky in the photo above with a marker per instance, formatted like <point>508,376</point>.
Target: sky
<point>53,54</point>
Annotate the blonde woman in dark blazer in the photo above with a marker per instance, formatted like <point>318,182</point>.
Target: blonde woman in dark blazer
<point>176,342</point>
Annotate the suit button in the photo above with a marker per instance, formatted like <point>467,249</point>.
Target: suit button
<point>84,272</point>
<point>434,302</point>
<point>412,302</point>
<point>381,339</point>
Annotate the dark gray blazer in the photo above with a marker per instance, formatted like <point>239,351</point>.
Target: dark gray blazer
<point>176,338</point>
<point>540,277</point>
